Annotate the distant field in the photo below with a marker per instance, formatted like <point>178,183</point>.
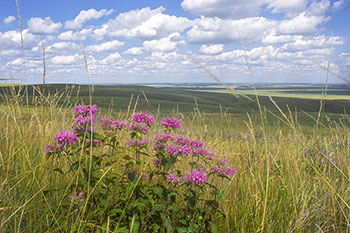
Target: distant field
<point>334,92</point>
<point>209,100</point>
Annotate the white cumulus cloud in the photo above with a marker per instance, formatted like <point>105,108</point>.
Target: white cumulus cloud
<point>212,49</point>
<point>45,26</point>
<point>66,60</point>
<point>163,45</point>
<point>9,19</point>
<point>234,9</point>
<point>80,35</point>
<point>338,5</point>
<point>134,51</point>
<point>84,16</point>
<point>301,24</point>
<point>143,23</point>
<point>111,58</point>
<point>286,6</point>
<point>214,30</point>
<point>106,46</point>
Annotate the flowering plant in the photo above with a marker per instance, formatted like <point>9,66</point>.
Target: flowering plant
<point>169,183</point>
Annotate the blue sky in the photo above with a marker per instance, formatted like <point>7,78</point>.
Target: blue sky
<point>139,41</point>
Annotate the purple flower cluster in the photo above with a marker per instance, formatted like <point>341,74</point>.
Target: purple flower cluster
<point>178,150</point>
<point>65,138</point>
<point>84,117</point>
<point>143,118</point>
<point>89,110</point>
<point>139,127</point>
<point>226,171</point>
<point>197,177</point>
<point>171,123</point>
<point>62,139</point>
<point>137,142</point>
<point>110,123</point>
<point>141,122</point>
<point>172,178</point>
<point>163,138</point>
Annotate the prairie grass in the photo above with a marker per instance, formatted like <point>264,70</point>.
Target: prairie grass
<point>308,170</point>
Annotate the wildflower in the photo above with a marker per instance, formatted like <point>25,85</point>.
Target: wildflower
<point>106,122</point>
<point>77,197</point>
<point>145,176</point>
<point>110,123</point>
<point>137,142</point>
<point>197,177</point>
<point>171,123</point>
<point>143,118</point>
<point>117,125</point>
<point>182,141</point>
<point>197,144</point>
<point>85,111</point>
<point>224,162</point>
<point>157,147</point>
<point>139,127</point>
<point>84,117</point>
<point>163,138</point>
<point>173,178</point>
<point>156,161</point>
<point>48,148</point>
<point>227,171</point>
<point>65,138</point>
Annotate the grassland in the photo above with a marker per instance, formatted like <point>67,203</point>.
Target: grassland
<point>292,172</point>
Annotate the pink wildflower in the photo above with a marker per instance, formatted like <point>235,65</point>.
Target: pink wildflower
<point>143,117</point>
<point>163,138</point>
<point>64,138</point>
<point>139,127</point>
<point>197,177</point>
<point>137,142</point>
<point>171,123</point>
<point>173,178</point>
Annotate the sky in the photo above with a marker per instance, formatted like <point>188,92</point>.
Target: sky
<point>175,41</point>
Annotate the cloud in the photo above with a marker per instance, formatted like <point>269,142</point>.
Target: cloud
<point>111,58</point>
<point>134,51</point>
<point>84,16</point>
<point>338,5</point>
<point>301,24</point>
<point>163,45</point>
<point>226,9</point>
<point>66,60</point>
<point>63,46</point>
<point>212,49</point>
<point>75,36</point>
<point>39,26</point>
<point>214,30</point>
<point>289,6</point>
<point>306,43</point>
<point>16,62</point>
<point>12,39</point>
<point>272,38</point>
<point>143,24</point>
<point>318,8</point>
<point>9,19</point>
<point>107,46</point>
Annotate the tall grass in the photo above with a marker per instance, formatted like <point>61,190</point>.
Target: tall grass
<point>288,179</point>
<point>308,181</point>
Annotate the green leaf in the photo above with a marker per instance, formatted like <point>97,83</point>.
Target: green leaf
<point>58,170</point>
<point>98,136</point>
<point>167,223</point>
<point>213,227</point>
<point>219,194</point>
